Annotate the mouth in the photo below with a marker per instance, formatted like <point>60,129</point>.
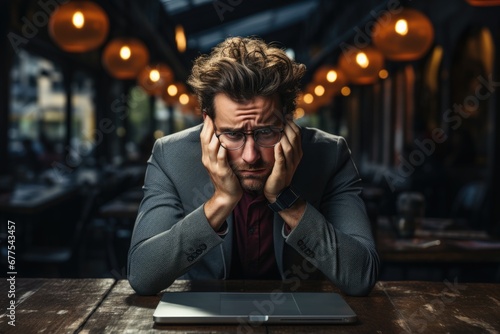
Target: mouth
<point>252,172</point>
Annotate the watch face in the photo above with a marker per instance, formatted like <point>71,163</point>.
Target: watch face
<point>284,200</point>
<point>288,197</point>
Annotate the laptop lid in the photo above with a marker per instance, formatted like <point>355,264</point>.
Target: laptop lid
<point>253,308</point>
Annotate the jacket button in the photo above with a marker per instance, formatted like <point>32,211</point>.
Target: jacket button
<point>203,246</point>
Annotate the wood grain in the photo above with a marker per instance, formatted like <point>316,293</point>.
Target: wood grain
<point>124,311</point>
<point>450,306</point>
<point>106,306</point>
<point>53,305</point>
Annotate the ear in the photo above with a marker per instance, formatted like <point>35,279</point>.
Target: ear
<point>204,114</point>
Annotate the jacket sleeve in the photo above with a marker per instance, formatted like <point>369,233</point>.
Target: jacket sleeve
<point>337,238</point>
<point>165,243</point>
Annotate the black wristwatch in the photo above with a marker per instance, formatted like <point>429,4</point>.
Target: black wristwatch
<point>285,199</point>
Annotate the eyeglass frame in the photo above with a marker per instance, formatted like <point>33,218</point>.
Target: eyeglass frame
<point>251,132</point>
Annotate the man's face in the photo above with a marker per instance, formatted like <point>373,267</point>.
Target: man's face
<point>252,163</point>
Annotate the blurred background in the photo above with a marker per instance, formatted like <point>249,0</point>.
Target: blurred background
<point>86,87</point>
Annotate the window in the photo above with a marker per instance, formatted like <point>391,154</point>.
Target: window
<point>36,130</point>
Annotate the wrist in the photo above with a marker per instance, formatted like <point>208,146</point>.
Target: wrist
<point>293,215</point>
<point>226,200</point>
<point>284,200</point>
<point>218,208</point>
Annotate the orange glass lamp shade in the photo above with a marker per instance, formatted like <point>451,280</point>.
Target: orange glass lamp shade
<point>362,66</point>
<point>321,95</point>
<point>189,104</point>
<point>332,78</point>
<point>325,73</point>
<point>79,26</point>
<point>155,78</point>
<point>172,91</point>
<point>307,102</point>
<point>405,36</point>
<point>484,3</point>
<point>124,58</point>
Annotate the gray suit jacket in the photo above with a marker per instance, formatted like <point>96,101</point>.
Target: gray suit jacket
<point>173,239</point>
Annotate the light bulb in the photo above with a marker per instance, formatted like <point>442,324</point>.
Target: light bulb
<point>331,76</point>
<point>401,27</point>
<point>78,20</point>
<point>362,60</point>
<point>125,52</point>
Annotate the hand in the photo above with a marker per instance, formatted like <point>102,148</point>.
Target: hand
<point>287,155</point>
<point>214,158</point>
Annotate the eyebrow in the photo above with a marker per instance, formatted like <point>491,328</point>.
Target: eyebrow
<point>229,129</point>
<point>274,125</point>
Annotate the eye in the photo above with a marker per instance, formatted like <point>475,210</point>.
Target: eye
<point>233,135</point>
<point>266,132</point>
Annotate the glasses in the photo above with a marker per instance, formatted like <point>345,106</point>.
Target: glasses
<point>265,137</point>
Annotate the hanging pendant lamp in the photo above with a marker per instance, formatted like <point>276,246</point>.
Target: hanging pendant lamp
<point>484,3</point>
<point>124,58</point>
<point>79,26</point>
<point>362,66</point>
<point>405,36</point>
<point>332,78</point>
<point>155,78</point>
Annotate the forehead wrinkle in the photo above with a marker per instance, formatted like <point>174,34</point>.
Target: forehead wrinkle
<point>258,111</point>
<point>254,119</point>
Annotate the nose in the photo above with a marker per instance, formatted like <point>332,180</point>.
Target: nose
<point>251,153</point>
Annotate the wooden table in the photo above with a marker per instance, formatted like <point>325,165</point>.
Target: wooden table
<point>428,246</point>
<point>108,306</point>
<point>433,254</point>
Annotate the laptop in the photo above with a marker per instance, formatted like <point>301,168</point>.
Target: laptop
<point>249,308</point>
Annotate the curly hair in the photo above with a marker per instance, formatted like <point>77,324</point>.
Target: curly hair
<point>243,68</point>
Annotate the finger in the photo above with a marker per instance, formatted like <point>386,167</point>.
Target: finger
<point>294,127</point>
<point>286,146</point>
<point>292,131</point>
<point>279,159</point>
<point>295,139</point>
<point>222,156</point>
<point>291,144</point>
<point>207,130</point>
<point>209,142</point>
<point>278,178</point>
<point>213,148</point>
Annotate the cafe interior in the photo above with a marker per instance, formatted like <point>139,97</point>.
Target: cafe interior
<point>414,87</point>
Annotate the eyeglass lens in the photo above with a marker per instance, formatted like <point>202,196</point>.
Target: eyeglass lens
<point>267,137</point>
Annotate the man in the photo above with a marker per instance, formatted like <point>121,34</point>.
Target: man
<point>248,194</point>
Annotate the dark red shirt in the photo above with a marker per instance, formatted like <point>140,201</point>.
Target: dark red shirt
<point>253,242</point>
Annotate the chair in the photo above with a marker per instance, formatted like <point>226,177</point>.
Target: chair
<point>119,215</point>
<point>66,259</point>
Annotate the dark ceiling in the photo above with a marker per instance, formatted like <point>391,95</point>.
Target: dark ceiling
<point>307,27</point>
<point>314,29</point>
<point>208,22</point>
